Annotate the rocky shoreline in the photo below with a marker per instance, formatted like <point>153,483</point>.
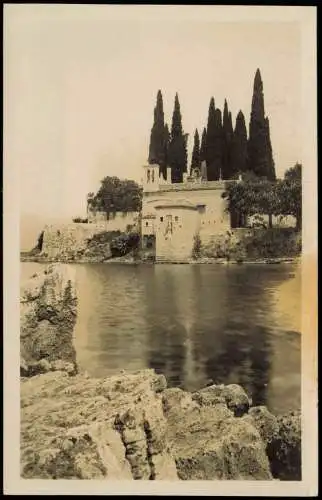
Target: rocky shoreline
<point>131,425</point>
<point>135,261</point>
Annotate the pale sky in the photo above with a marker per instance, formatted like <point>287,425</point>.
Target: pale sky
<point>81,85</point>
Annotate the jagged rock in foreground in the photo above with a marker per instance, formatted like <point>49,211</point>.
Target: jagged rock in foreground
<point>130,426</point>
<point>48,309</point>
<point>282,436</point>
<point>284,451</point>
<point>84,428</point>
<point>232,395</point>
<point>209,442</point>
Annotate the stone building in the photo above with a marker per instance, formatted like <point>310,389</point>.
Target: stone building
<point>174,214</point>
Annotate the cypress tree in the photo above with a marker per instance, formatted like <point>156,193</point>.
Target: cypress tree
<point>227,142</point>
<point>214,142</point>
<point>157,148</point>
<point>211,140</point>
<point>177,152</point>
<point>195,160</point>
<point>202,154</point>
<point>218,147</point>
<point>166,149</point>
<point>239,147</point>
<point>260,157</point>
<point>271,174</point>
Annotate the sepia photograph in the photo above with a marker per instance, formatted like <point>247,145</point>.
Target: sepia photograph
<point>160,249</point>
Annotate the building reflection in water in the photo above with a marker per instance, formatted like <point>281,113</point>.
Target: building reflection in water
<point>213,324</point>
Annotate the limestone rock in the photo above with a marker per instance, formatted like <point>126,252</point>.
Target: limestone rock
<point>176,401</point>
<point>44,366</point>
<point>284,451</point>
<point>47,318</point>
<point>265,422</point>
<point>69,427</point>
<point>211,443</point>
<point>233,395</point>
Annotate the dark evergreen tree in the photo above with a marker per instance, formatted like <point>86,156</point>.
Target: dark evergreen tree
<point>271,174</point>
<point>239,147</point>
<point>157,148</point>
<point>227,143</point>
<point>218,165</point>
<point>260,157</point>
<point>203,146</point>
<point>195,160</point>
<point>214,142</point>
<point>177,152</point>
<point>166,150</point>
<point>210,139</point>
<point>230,123</point>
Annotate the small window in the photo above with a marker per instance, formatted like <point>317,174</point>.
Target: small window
<point>161,219</point>
<point>146,223</point>
<point>176,218</point>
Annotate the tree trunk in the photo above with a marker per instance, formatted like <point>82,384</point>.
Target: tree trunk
<point>299,223</point>
<point>270,221</point>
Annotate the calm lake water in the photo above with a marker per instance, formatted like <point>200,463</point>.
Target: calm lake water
<point>194,323</point>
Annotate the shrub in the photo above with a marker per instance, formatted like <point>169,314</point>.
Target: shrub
<point>79,220</point>
<point>103,237</point>
<point>196,249</point>
<point>124,243</point>
<point>276,242</point>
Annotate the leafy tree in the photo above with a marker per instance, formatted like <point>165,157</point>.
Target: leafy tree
<point>294,173</point>
<point>195,160</point>
<point>159,137</point>
<point>260,157</point>
<point>289,194</point>
<point>259,196</point>
<point>116,195</point>
<point>177,153</point>
<point>250,197</point>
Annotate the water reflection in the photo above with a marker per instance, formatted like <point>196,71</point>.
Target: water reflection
<point>220,326</point>
<point>228,324</point>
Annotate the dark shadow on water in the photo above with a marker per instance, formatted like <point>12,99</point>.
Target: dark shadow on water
<point>225,315</point>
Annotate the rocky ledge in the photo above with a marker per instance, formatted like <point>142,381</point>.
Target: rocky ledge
<point>131,426</point>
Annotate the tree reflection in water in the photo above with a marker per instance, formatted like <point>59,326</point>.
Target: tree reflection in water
<point>213,324</point>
